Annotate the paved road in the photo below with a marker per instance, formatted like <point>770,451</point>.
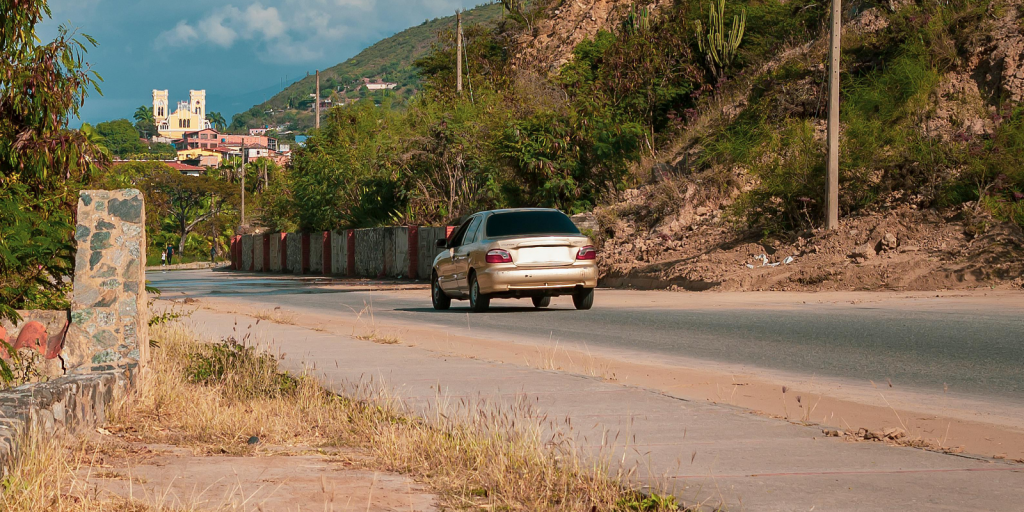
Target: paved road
<point>975,351</point>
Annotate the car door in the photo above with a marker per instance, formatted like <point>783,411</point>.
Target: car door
<point>461,254</point>
<point>445,266</point>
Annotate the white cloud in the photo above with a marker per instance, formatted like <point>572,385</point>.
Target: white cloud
<point>214,30</point>
<point>264,20</point>
<point>301,30</point>
<point>180,35</point>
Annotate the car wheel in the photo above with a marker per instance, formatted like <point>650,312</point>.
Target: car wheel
<point>478,302</point>
<point>541,302</point>
<point>583,298</point>
<point>438,298</point>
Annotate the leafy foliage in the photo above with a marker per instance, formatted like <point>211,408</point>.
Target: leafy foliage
<point>43,164</point>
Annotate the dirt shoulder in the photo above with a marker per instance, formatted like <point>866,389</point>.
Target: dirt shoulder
<point>936,421</point>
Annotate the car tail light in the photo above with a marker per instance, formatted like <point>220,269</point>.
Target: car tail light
<point>587,253</point>
<point>498,256</point>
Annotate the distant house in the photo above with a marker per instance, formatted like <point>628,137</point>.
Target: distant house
<point>255,132</point>
<point>186,169</point>
<point>377,85</point>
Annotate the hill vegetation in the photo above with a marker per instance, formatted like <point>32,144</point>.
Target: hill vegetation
<point>390,59</point>
<point>645,130</point>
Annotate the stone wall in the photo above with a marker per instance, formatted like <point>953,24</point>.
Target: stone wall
<point>74,403</point>
<point>428,250</point>
<point>110,318</point>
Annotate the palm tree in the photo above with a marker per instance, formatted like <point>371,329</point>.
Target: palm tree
<point>217,121</point>
<point>144,114</point>
<point>95,139</point>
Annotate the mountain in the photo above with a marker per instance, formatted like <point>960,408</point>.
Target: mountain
<point>390,59</point>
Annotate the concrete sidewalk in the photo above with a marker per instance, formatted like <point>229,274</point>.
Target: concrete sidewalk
<point>699,451</point>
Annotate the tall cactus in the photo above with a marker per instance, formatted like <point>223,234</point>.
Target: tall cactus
<point>638,21</point>
<point>718,47</point>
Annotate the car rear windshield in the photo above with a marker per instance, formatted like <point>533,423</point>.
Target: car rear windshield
<point>530,223</point>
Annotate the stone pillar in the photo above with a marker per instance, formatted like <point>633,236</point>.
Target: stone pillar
<point>257,253</point>
<point>327,267</point>
<point>294,259</point>
<point>110,317</point>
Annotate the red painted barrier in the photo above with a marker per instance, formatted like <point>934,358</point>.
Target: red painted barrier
<point>305,254</point>
<point>350,241</point>
<point>414,252</point>
<point>327,253</point>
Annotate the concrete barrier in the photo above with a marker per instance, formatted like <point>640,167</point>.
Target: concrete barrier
<point>258,252</point>
<point>397,252</point>
<point>247,253</point>
<point>339,253</point>
<point>293,246</point>
<point>316,253</point>
<point>276,241</point>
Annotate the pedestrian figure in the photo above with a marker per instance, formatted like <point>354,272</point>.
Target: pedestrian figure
<point>213,253</point>
<point>163,259</point>
<point>170,255</point>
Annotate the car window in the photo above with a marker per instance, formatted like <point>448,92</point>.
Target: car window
<point>473,231</point>
<point>459,234</point>
<point>534,222</point>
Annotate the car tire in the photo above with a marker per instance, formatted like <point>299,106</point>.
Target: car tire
<point>478,302</point>
<point>440,300</point>
<point>583,298</point>
<point>541,302</point>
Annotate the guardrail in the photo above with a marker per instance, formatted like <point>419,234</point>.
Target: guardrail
<point>399,252</point>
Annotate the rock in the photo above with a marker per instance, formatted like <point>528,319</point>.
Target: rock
<point>830,432</point>
<point>893,433</point>
<point>862,253</point>
<point>888,242</point>
<point>33,335</point>
<point>999,456</point>
<point>874,435</point>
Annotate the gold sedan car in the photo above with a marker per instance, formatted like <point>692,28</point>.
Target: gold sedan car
<point>517,253</point>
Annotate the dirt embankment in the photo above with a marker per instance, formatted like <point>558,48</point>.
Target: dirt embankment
<point>698,248</point>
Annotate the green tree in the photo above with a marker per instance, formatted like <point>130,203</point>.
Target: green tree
<point>121,137</point>
<point>43,163</point>
<point>145,123</point>
<point>186,202</point>
<point>217,120</point>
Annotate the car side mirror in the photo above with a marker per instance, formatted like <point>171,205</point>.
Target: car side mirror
<point>442,243</point>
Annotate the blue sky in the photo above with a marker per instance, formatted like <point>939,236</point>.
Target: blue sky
<point>240,51</point>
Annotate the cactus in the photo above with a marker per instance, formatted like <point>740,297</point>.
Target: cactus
<point>638,21</point>
<point>718,47</point>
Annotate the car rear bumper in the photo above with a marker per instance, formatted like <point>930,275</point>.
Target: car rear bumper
<point>515,281</point>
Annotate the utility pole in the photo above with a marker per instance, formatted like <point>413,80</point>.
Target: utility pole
<point>832,173</point>
<point>317,124</point>
<point>242,223</point>
<point>458,53</point>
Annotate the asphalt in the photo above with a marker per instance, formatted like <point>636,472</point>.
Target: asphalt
<point>698,451</point>
<point>973,352</point>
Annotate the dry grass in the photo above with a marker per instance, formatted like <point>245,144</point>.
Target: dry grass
<point>276,316</point>
<point>212,397</point>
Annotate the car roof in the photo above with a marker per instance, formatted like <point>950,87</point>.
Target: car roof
<point>511,210</point>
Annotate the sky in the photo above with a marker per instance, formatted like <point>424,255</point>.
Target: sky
<point>242,52</point>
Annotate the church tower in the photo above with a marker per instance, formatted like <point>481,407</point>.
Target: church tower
<point>160,112</point>
<point>197,103</point>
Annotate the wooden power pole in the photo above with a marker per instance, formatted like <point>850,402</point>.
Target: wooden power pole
<point>316,124</point>
<point>832,173</point>
<point>458,53</point>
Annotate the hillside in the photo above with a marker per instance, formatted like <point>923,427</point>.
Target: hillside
<point>390,59</point>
